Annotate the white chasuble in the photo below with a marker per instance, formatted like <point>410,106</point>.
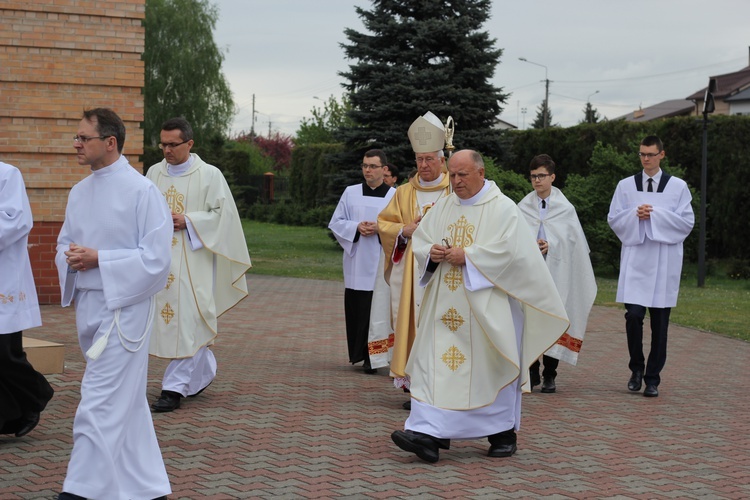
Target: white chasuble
<point>651,256</point>
<point>568,262</point>
<point>203,283</point>
<point>466,350</point>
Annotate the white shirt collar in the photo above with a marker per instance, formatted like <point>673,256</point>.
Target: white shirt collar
<point>431,183</point>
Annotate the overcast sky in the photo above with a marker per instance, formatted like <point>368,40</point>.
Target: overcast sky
<point>634,53</point>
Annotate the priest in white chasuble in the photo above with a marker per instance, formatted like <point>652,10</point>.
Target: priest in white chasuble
<point>366,295</point>
<point>209,262</point>
<point>490,309</point>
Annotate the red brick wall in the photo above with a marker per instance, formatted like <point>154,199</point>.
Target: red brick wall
<point>57,58</point>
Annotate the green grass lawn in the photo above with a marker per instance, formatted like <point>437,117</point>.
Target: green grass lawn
<point>721,306</point>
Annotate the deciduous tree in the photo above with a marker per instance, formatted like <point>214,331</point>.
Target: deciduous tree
<point>183,75</point>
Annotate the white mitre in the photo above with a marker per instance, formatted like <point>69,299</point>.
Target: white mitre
<point>427,134</point>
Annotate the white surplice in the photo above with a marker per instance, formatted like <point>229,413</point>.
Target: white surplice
<point>19,307</point>
<point>481,325</point>
<point>651,256</point>
<point>569,263</point>
<point>122,215</point>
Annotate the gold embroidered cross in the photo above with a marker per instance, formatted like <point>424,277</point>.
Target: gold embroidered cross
<point>167,313</point>
<point>453,358</point>
<point>170,280</point>
<point>452,320</point>
<point>454,278</point>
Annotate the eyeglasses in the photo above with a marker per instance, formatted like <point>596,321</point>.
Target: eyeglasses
<point>425,159</point>
<point>388,176</point>
<point>171,145</point>
<point>539,177</point>
<point>648,155</point>
<point>368,166</point>
<point>82,139</point>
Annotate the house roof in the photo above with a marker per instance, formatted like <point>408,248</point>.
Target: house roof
<point>666,109</point>
<point>743,95</point>
<point>726,85</point>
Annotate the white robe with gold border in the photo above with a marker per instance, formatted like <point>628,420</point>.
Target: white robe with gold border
<point>205,282</point>
<point>467,348</point>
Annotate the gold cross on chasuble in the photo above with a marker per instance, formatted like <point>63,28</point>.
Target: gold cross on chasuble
<point>452,320</point>
<point>454,358</point>
<point>454,278</point>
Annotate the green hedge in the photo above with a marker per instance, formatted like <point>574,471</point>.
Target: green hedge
<point>728,165</point>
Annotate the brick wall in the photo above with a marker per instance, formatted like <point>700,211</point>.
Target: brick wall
<point>57,58</point>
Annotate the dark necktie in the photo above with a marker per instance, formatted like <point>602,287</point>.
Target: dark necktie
<point>544,204</point>
<point>650,185</point>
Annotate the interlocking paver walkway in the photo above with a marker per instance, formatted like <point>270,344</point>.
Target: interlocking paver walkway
<point>288,417</point>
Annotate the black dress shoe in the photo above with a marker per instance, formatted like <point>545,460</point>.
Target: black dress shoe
<point>502,444</point>
<point>548,386</point>
<point>168,401</point>
<point>634,384</point>
<point>406,405</point>
<point>422,445</point>
<point>651,391</point>
<point>371,371</point>
<point>28,423</point>
<point>502,450</point>
<point>69,496</point>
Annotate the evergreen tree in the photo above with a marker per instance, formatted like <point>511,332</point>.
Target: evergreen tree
<point>590,114</point>
<point>183,75</point>
<point>539,119</point>
<point>420,56</point>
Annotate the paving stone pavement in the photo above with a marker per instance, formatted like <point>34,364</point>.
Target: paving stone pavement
<point>288,417</point>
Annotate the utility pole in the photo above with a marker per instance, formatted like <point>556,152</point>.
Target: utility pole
<point>708,108</point>
<point>252,126</point>
<point>546,90</point>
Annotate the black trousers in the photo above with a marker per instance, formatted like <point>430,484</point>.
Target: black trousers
<point>657,357</point>
<point>550,366</point>
<point>23,390</point>
<point>357,314</point>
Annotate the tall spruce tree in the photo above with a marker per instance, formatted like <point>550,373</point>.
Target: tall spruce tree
<point>420,56</point>
<point>590,114</point>
<point>539,119</point>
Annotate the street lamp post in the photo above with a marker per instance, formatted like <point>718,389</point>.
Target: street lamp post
<point>588,99</point>
<point>546,90</point>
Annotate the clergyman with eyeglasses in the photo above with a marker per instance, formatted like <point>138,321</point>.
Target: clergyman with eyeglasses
<point>112,257</point>
<point>209,262</point>
<point>490,308</point>
<point>397,224</point>
<point>651,214</point>
<point>366,295</point>
<point>562,242</point>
